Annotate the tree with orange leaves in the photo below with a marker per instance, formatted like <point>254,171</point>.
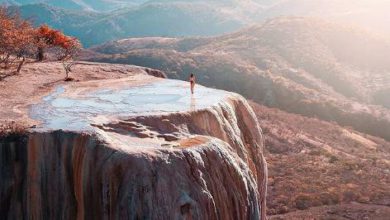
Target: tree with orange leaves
<point>19,40</point>
<point>64,47</point>
<point>16,39</point>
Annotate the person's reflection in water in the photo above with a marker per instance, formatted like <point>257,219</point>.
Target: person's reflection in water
<point>193,103</point>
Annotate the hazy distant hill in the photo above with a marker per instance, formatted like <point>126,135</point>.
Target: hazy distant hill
<point>70,22</point>
<point>149,19</point>
<point>301,65</point>
<point>86,5</point>
<point>371,14</point>
<point>96,22</point>
<point>155,19</point>
<point>106,5</point>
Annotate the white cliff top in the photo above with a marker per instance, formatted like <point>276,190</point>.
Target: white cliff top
<point>75,107</point>
<point>123,105</point>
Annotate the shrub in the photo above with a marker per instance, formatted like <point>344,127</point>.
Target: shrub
<point>329,198</point>
<point>12,128</point>
<point>303,202</point>
<point>63,47</point>
<point>333,159</point>
<point>350,196</point>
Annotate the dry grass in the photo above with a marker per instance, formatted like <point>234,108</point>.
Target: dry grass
<point>315,163</point>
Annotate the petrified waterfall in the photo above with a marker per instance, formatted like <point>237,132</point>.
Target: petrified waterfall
<point>200,163</point>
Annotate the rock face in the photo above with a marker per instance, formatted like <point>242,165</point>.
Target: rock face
<point>133,149</point>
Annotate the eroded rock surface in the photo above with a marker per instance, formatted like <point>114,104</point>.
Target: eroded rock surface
<point>135,148</point>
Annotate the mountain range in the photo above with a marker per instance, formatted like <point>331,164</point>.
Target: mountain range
<point>149,19</point>
<point>301,65</point>
<point>95,22</point>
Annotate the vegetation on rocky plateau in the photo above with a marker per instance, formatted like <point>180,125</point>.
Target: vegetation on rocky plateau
<point>20,41</point>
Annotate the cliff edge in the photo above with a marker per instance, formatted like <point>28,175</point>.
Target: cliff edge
<point>121,144</point>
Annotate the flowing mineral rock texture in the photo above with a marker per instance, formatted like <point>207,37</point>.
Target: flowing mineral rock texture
<point>135,148</point>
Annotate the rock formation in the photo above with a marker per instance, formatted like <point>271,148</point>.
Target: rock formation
<point>137,147</point>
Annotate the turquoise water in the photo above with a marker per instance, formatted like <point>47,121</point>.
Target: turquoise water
<point>57,111</point>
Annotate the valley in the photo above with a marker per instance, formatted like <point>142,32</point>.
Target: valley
<point>290,118</point>
<point>300,65</point>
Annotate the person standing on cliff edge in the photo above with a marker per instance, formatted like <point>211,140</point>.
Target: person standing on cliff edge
<point>192,82</point>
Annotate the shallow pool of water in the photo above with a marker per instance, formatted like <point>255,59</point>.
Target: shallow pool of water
<point>58,111</point>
